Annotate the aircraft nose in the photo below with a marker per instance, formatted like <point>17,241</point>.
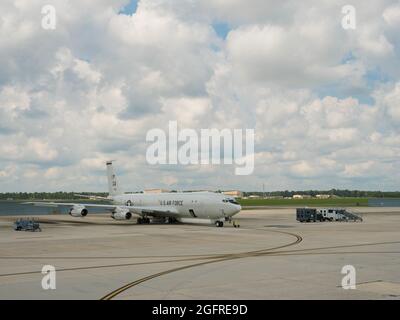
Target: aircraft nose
<point>238,208</point>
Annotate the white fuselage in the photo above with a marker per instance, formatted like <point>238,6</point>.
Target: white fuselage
<point>201,205</point>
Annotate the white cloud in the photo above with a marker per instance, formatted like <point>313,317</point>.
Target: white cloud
<point>89,91</point>
<point>7,172</point>
<point>359,169</point>
<point>13,100</point>
<point>392,15</point>
<point>298,56</point>
<point>41,149</point>
<point>52,173</point>
<point>392,103</point>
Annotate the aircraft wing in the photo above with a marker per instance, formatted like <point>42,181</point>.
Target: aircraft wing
<point>91,197</point>
<point>154,211</point>
<point>107,207</point>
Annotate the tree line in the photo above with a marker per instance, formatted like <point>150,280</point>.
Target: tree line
<point>332,192</point>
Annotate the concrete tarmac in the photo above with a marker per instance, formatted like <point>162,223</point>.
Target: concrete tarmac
<point>271,256</point>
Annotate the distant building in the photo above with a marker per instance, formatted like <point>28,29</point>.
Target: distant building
<point>323,196</point>
<point>254,196</point>
<point>156,191</point>
<point>301,196</point>
<point>234,193</point>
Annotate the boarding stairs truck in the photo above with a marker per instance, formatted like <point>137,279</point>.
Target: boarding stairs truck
<point>337,214</point>
<point>351,216</point>
<point>325,214</point>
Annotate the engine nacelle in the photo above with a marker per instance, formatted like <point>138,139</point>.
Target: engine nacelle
<point>78,211</point>
<point>121,214</point>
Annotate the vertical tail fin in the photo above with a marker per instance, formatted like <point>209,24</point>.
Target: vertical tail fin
<point>113,188</point>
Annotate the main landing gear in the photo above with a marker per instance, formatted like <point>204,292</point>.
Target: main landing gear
<point>171,220</point>
<point>219,224</point>
<point>143,220</point>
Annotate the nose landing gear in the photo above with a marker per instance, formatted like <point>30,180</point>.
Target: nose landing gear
<point>236,225</point>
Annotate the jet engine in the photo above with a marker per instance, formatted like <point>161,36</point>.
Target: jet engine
<point>121,214</point>
<point>78,211</point>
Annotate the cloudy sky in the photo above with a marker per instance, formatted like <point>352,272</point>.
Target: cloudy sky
<point>324,101</point>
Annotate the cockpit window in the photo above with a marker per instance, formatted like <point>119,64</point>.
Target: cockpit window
<point>230,201</point>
